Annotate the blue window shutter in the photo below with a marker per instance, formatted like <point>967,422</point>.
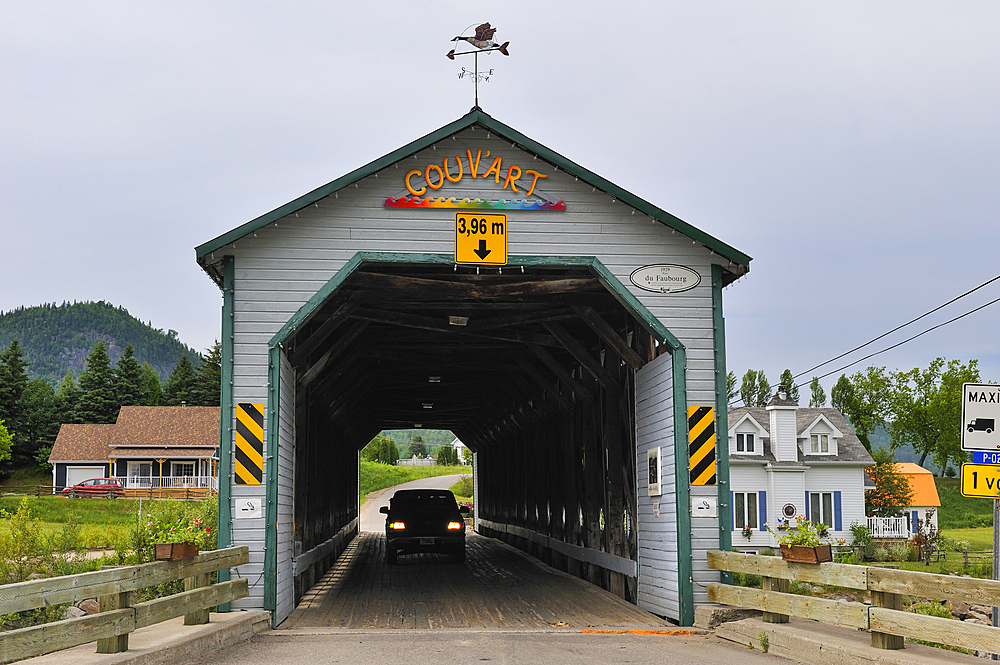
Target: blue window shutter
<point>762,509</point>
<point>838,524</point>
<point>732,510</point>
<point>914,518</point>
<point>807,506</point>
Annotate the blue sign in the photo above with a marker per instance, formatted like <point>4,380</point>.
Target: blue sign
<point>981,457</point>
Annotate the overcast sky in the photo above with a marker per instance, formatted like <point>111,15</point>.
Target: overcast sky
<point>851,148</point>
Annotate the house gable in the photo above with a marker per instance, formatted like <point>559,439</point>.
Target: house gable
<point>745,427</point>
<point>826,436</point>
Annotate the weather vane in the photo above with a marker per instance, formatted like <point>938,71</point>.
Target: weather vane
<point>483,41</point>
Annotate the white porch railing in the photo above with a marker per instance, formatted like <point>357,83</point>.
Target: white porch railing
<point>889,527</point>
<point>169,482</point>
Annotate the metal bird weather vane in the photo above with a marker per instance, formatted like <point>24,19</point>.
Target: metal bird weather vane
<point>483,42</point>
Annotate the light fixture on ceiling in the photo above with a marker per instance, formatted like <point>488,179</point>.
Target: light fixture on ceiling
<point>458,320</point>
<point>418,425</point>
<point>428,405</point>
<point>433,379</point>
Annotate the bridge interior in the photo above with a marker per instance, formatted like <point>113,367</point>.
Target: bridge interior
<point>532,367</point>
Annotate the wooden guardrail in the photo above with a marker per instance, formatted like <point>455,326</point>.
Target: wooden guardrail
<point>885,617</point>
<point>117,618</point>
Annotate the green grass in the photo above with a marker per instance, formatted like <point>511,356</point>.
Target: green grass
<point>961,512</point>
<point>375,476</point>
<point>89,511</point>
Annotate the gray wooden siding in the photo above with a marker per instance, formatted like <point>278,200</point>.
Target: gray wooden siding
<point>658,589</point>
<point>285,597</point>
<point>280,267</point>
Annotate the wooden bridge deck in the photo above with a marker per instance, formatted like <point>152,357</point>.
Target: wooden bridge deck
<point>497,587</point>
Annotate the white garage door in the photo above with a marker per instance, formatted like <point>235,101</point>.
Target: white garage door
<point>76,474</point>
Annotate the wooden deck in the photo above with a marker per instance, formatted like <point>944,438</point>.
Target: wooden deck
<point>497,587</point>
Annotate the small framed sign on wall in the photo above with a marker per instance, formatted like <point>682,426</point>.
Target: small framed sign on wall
<point>653,466</point>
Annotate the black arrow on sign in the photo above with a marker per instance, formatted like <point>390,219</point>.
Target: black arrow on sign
<point>482,252</point>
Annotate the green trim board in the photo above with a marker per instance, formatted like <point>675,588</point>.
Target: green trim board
<point>271,480</point>
<point>480,118</point>
<point>721,417</point>
<point>682,492</point>
<point>225,526</point>
<point>605,276</point>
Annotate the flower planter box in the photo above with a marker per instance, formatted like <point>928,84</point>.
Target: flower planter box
<point>174,551</point>
<point>806,554</point>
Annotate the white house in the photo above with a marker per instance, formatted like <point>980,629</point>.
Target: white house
<point>787,461</point>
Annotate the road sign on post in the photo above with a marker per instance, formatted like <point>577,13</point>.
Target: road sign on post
<point>481,238</point>
<point>980,414</point>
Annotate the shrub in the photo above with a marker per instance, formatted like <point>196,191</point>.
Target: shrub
<point>902,552</point>
<point>862,542</point>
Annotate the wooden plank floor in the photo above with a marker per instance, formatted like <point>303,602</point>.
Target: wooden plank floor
<point>497,587</point>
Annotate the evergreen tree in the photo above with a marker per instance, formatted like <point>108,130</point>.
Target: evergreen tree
<point>817,399</point>
<point>67,399</point>
<point>732,392</point>
<point>208,377</point>
<point>41,424</point>
<point>97,386</point>
<point>786,384</point>
<point>180,384</point>
<point>128,379</point>
<point>152,390</point>
<point>13,381</point>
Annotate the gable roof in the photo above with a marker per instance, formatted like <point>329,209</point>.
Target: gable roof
<point>171,426</point>
<point>475,117</point>
<point>849,447</point>
<point>141,431</point>
<point>921,482</point>
<point>81,443</point>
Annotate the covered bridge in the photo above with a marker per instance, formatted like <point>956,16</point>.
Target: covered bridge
<point>477,281</point>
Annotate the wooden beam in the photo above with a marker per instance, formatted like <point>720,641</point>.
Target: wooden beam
<point>320,335</point>
<point>520,318</point>
<point>583,356</point>
<point>842,613</point>
<point>538,378</point>
<point>935,629</point>
<point>609,335</point>
<point>447,289</point>
<point>317,368</point>
<point>836,574</point>
<point>404,320</point>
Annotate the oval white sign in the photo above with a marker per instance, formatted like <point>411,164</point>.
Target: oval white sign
<point>665,278</point>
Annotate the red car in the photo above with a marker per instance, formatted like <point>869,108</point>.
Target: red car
<point>107,487</point>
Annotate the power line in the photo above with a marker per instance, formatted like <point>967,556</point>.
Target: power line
<point>872,341</point>
<point>910,339</point>
<point>898,344</point>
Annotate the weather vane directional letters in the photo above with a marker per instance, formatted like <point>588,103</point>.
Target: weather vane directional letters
<point>483,41</point>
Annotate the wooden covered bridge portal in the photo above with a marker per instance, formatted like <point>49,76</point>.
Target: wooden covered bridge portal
<point>570,386</point>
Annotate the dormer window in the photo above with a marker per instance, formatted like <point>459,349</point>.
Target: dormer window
<point>819,443</point>
<point>745,443</point>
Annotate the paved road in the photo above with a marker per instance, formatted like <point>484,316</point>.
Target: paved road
<point>483,646</point>
<point>372,520</point>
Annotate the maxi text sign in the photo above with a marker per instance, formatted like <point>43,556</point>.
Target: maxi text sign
<point>980,414</point>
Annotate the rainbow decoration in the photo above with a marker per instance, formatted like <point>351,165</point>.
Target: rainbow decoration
<point>472,204</point>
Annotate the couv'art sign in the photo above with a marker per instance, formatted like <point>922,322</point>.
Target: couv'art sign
<point>515,179</point>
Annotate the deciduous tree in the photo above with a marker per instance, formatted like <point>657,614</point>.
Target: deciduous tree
<point>892,492</point>
<point>817,396</point>
<point>786,384</point>
<point>755,389</point>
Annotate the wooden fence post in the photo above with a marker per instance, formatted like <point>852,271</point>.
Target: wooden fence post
<point>965,557</point>
<point>775,584</point>
<point>118,643</point>
<point>197,617</point>
<point>892,601</point>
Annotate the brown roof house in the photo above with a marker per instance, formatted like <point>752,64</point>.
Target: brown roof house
<point>168,450</point>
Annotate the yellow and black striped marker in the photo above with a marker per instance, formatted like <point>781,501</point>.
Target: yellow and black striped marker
<point>249,457</point>
<point>701,445</point>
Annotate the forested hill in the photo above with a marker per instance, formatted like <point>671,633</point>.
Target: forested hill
<point>56,338</point>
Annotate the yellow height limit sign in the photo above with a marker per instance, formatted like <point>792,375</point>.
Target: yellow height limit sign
<point>481,238</point>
